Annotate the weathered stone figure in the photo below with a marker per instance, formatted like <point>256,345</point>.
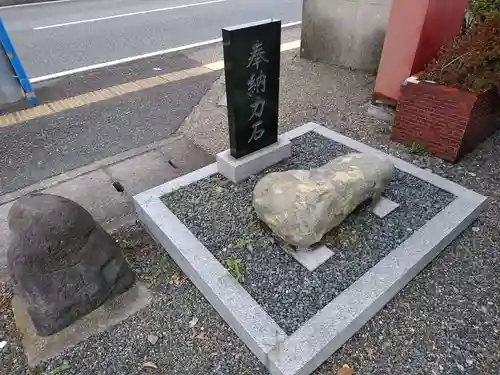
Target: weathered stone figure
<point>302,206</point>
<point>63,265</point>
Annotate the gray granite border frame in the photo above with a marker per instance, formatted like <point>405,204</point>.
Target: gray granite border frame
<point>303,351</point>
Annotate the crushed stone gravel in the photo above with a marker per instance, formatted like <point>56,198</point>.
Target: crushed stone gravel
<point>220,214</point>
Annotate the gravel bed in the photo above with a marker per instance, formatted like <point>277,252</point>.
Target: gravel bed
<point>219,214</point>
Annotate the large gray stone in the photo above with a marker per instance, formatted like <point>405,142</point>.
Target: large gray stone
<point>63,265</point>
<point>302,206</point>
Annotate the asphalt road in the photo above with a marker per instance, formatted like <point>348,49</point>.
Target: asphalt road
<point>40,148</point>
<point>66,35</point>
<point>51,38</point>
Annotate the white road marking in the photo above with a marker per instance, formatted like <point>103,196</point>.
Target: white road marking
<point>121,61</point>
<point>291,24</point>
<point>87,68</point>
<point>218,65</point>
<point>32,4</point>
<point>128,14</point>
<point>290,45</point>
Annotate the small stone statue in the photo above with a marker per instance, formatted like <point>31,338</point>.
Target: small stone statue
<point>302,206</point>
<point>63,265</point>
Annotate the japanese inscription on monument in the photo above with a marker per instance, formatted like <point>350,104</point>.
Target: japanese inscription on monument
<point>252,66</point>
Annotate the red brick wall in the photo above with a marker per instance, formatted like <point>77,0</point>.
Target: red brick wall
<point>485,120</point>
<point>434,117</point>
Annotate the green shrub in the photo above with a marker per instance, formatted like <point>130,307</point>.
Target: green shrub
<point>416,149</point>
<point>484,7</point>
<point>472,60</point>
<point>478,10</point>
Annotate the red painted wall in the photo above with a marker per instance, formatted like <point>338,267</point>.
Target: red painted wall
<point>416,31</point>
<point>442,23</point>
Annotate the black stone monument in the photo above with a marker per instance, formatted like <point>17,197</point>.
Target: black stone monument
<point>252,67</point>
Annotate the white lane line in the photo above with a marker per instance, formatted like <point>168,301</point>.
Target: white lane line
<point>32,4</point>
<point>290,45</point>
<point>121,61</point>
<point>106,64</point>
<point>291,24</point>
<point>128,14</point>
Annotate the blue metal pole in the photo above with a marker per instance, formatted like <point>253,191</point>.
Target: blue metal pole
<point>20,74</point>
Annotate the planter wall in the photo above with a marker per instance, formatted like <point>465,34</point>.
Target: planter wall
<point>447,122</point>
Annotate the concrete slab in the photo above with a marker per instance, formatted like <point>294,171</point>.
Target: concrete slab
<point>143,172</point>
<point>381,112</point>
<point>348,33</point>
<point>325,332</point>
<point>311,259</point>
<point>95,192</point>
<point>177,157</point>
<point>185,155</point>
<point>223,101</point>
<point>384,207</point>
<point>4,236</point>
<point>39,349</point>
<point>207,125</point>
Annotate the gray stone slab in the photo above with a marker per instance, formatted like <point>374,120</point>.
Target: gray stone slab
<point>95,192</point>
<point>381,112</point>
<point>238,170</point>
<point>384,207</point>
<point>143,172</point>
<point>185,155</point>
<point>311,258</point>
<point>223,101</point>
<point>184,180</point>
<point>4,238</point>
<point>38,349</point>
<point>304,350</point>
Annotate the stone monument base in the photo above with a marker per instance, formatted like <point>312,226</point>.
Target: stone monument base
<point>238,170</point>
